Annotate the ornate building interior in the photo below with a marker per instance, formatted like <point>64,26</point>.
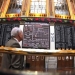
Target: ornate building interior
<point>46,24</point>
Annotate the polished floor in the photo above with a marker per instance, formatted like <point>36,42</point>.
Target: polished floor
<point>61,71</point>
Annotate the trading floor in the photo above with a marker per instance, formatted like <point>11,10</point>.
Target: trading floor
<point>47,25</point>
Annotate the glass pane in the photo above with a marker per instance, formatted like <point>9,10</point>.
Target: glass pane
<point>42,0</point>
<point>43,7</point>
<point>43,3</point>
<point>39,11</point>
<point>32,11</point>
<point>35,11</point>
<point>32,7</point>
<point>39,3</point>
<point>36,3</point>
<point>33,0</point>
<point>32,3</point>
<point>61,7</point>
<point>15,6</point>
<point>39,6</point>
<point>43,11</point>
<point>19,2</point>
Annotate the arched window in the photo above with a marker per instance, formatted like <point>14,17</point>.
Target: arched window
<point>15,6</point>
<point>61,7</point>
<point>19,2</point>
<point>38,6</point>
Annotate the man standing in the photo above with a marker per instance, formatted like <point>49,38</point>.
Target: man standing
<point>13,61</point>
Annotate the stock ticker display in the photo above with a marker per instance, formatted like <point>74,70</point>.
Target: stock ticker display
<point>36,35</point>
<point>64,36</point>
<point>5,32</point>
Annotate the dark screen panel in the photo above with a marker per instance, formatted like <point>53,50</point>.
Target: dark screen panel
<point>7,32</point>
<point>1,33</point>
<point>68,36</point>
<point>36,35</point>
<point>73,37</point>
<point>64,36</point>
<point>57,33</point>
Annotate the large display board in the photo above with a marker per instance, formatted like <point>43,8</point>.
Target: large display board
<point>36,35</point>
<point>5,32</point>
<point>64,36</point>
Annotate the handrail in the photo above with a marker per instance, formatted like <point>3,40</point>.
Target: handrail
<point>40,52</point>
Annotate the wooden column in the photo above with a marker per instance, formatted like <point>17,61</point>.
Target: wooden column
<point>71,8</point>
<point>24,7</point>
<point>47,8</point>
<point>51,8</point>
<point>4,7</point>
<point>28,2</point>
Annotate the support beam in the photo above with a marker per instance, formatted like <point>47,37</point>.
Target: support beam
<point>23,8</point>
<point>4,7</point>
<point>71,8</point>
<point>51,8</point>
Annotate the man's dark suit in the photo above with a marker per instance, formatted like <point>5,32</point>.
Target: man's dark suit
<point>12,61</point>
